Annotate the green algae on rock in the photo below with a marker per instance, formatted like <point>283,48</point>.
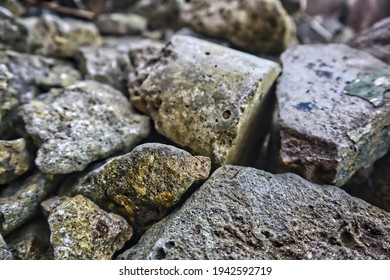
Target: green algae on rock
<point>259,26</point>
<point>80,124</point>
<point>145,183</point>
<point>18,204</point>
<point>327,135</point>
<point>80,230</point>
<point>15,160</point>
<point>244,213</point>
<point>205,97</point>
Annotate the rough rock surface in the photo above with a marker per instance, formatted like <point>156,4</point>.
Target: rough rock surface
<point>375,40</point>
<point>54,36</point>
<point>260,26</point>
<point>327,135</point>
<point>80,124</point>
<point>31,241</point>
<point>107,65</point>
<point>5,254</point>
<point>206,97</point>
<point>7,98</point>
<point>19,204</point>
<point>121,24</point>
<point>244,213</point>
<point>15,160</point>
<point>12,31</point>
<point>80,230</point>
<point>13,6</point>
<point>30,72</point>
<point>143,184</point>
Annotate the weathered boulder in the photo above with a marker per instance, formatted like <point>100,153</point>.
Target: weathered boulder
<point>208,98</point>
<point>5,254</point>
<point>328,131</point>
<point>375,40</point>
<point>8,98</point>
<point>108,65</point>
<point>18,204</point>
<point>59,37</point>
<point>145,183</point>
<point>259,26</point>
<point>31,241</point>
<point>15,160</point>
<point>244,213</point>
<point>80,230</point>
<point>121,24</point>
<point>80,124</point>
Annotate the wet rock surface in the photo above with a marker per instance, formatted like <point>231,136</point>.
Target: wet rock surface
<point>80,124</point>
<point>213,101</point>
<point>326,134</point>
<point>15,160</point>
<point>145,183</point>
<point>20,201</point>
<point>244,213</point>
<point>375,40</point>
<point>109,65</point>
<point>257,26</point>
<point>81,230</point>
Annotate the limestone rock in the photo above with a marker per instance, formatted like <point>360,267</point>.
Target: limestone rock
<point>7,99</point>
<point>260,26</point>
<point>12,31</point>
<point>80,124</point>
<point>5,254</point>
<point>82,231</point>
<point>18,204</point>
<point>327,135</point>
<point>206,97</point>
<point>59,37</point>
<point>107,65</point>
<point>121,24</point>
<point>15,160</point>
<point>375,40</point>
<point>31,241</point>
<point>244,213</point>
<point>145,183</point>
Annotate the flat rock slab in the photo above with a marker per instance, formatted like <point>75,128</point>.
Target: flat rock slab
<point>15,160</point>
<point>51,35</point>
<point>259,26</point>
<point>244,213</point>
<point>145,183</point>
<point>80,124</point>
<point>107,65</point>
<point>206,97</point>
<point>80,230</point>
<point>375,40</point>
<point>327,135</point>
<point>20,201</point>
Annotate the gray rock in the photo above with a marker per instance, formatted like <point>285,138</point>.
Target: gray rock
<point>145,183</point>
<point>59,37</point>
<point>327,135</point>
<point>80,124</point>
<point>15,160</point>
<point>107,65</point>
<point>13,6</point>
<point>375,40</point>
<point>20,202</point>
<point>206,97</point>
<point>82,231</point>
<point>259,26</point>
<point>30,72</point>
<point>121,24</point>
<point>31,241</point>
<point>7,98</point>
<point>244,213</point>
<point>5,254</point>
<point>12,31</point>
